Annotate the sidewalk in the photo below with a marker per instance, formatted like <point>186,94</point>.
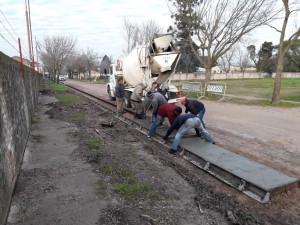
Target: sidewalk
<point>54,187</point>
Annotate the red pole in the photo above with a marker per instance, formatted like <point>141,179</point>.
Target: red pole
<point>21,58</point>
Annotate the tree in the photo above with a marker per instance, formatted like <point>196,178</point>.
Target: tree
<point>290,7</point>
<point>138,34</point>
<point>266,62</point>
<point>292,58</point>
<point>188,62</point>
<point>242,59</point>
<point>90,60</point>
<point>225,61</point>
<point>253,55</point>
<point>55,53</point>
<point>217,25</point>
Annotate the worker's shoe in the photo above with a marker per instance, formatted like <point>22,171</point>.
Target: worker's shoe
<point>172,151</point>
<point>141,116</point>
<point>198,134</point>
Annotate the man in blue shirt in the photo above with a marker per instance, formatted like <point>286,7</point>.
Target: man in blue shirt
<point>185,123</point>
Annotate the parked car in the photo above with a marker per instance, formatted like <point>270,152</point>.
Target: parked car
<point>61,78</point>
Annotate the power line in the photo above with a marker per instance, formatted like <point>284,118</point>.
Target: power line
<point>9,23</point>
<point>23,47</point>
<point>8,31</point>
<point>9,43</point>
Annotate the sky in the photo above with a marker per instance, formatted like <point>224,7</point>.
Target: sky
<point>96,24</point>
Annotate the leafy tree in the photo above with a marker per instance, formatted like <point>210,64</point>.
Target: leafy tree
<point>292,57</point>
<point>188,62</point>
<point>217,25</point>
<point>266,60</point>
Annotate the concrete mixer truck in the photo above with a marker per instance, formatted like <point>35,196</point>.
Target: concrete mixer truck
<point>155,61</point>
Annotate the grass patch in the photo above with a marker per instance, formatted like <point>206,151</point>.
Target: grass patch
<point>243,101</point>
<point>67,99</point>
<point>76,116</point>
<point>242,90</point>
<point>125,183</point>
<point>132,191</point>
<point>57,87</point>
<point>94,144</point>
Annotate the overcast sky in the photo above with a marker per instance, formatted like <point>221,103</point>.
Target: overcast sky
<point>97,24</point>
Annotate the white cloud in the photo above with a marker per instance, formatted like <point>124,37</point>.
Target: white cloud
<point>97,24</point>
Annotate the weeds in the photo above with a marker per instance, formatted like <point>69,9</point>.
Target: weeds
<point>125,182</point>
<point>94,144</point>
<point>57,87</point>
<point>67,99</point>
<point>76,116</point>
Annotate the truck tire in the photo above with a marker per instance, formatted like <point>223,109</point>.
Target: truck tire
<point>109,95</point>
<point>127,99</point>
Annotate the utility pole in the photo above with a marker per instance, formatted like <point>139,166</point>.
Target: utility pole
<point>28,33</point>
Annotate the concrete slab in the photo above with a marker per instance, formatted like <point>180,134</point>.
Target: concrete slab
<point>254,179</point>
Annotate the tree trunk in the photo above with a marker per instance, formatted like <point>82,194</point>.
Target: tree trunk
<point>208,74</point>
<point>277,82</point>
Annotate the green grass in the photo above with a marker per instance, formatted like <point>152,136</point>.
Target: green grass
<point>94,144</point>
<point>76,116</point>
<point>67,99</point>
<point>125,182</point>
<point>263,88</point>
<point>258,92</point>
<point>57,87</point>
<point>131,191</point>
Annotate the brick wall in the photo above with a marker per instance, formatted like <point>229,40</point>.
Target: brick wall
<point>18,101</point>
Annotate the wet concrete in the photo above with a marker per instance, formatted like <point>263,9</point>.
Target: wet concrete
<point>260,182</point>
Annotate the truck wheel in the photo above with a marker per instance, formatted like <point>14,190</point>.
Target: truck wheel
<point>127,99</point>
<point>109,95</point>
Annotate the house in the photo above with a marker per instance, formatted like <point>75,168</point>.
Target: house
<point>37,66</point>
<point>104,65</point>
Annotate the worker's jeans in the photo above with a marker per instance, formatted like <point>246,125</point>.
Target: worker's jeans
<point>201,115</point>
<point>120,104</point>
<point>190,124</point>
<point>154,125</point>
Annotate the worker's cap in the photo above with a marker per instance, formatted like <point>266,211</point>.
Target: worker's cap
<point>181,100</point>
<point>149,94</point>
<point>178,110</point>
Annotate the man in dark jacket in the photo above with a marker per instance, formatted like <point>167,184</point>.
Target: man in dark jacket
<point>171,111</point>
<point>119,93</point>
<point>186,122</point>
<point>195,107</point>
